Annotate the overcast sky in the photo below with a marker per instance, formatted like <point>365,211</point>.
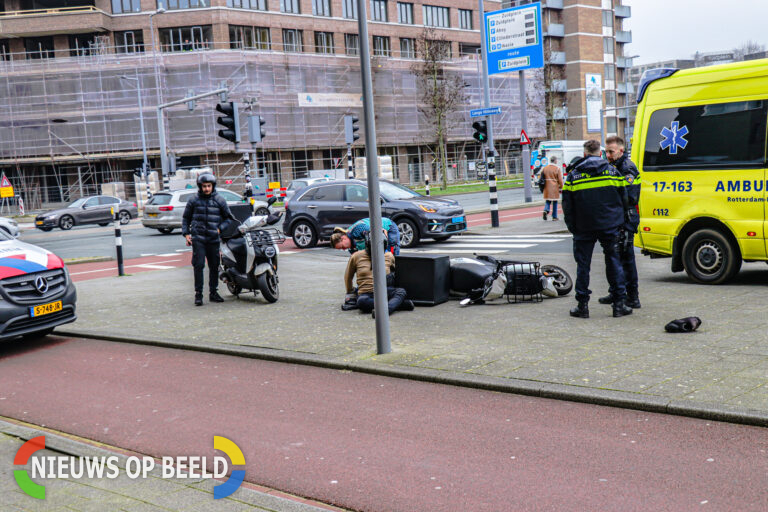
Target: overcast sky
<point>675,29</point>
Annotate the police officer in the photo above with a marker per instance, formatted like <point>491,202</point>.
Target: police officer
<point>594,205</point>
<point>614,150</point>
<point>201,224</point>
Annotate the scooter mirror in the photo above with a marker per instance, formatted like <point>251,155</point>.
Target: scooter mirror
<point>272,200</point>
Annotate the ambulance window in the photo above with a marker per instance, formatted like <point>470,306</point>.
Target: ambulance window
<point>717,136</point>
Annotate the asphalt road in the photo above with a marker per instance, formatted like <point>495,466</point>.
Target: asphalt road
<point>481,200</point>
<point>374,443</point>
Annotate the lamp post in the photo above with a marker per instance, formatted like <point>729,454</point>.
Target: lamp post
<point>160,125</point>
<point>145,165</point>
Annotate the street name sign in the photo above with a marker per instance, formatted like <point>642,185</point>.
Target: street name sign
<point>514,39</point>
<point>480,112</point>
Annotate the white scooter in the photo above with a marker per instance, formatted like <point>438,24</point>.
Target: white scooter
<point>249,256</point>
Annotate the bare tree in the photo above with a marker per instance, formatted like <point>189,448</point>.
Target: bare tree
<point>441,90</point>
<point>747,48</point>
<point>542,98</point>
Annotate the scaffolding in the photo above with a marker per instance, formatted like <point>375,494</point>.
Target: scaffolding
<point>72,124</point>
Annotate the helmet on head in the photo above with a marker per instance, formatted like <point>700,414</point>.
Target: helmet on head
<point>206,178</point>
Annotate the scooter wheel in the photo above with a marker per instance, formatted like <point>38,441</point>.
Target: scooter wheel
<point>234,288</point>
<point>563,282</point>
<point>267,283</point>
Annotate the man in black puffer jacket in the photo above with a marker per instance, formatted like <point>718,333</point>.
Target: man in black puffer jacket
<point>200,225</point>
<point>595,204</point>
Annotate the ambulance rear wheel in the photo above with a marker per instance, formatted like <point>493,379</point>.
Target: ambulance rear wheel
<point>709,257</point>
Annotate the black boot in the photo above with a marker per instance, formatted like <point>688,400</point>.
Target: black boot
<point>198,299</point>
<point>608,299</point>
<point>620,308</point>
<point>581,310</point>
<point>215,297</point>
<point>633,300</point>
<point>407,305</point>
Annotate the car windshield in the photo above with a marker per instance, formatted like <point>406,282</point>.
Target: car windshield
<point>78,203</point>
<point>160,199</point>
<point>392,192</point>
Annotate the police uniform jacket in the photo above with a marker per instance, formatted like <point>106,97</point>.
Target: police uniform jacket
<point>629,170</point>
<point>204,216</point>
<point>594,197</point>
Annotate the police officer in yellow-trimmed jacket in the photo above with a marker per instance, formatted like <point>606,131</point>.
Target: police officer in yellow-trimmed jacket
<point>595,207</point>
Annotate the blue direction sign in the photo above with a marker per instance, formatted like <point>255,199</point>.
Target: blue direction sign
<point>514,39</point>
<point>480,112</point>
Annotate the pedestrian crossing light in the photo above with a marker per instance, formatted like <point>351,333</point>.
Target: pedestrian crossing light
<point>229,120</point>
<point>481,131</point>
<point>256,132</point>
<point>351,128</point>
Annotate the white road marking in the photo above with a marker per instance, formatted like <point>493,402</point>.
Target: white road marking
<point>154,267</point>
<point>143,255</point>
<point>167,255</point>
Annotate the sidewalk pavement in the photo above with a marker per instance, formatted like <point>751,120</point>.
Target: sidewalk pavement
<point>122,493</point>
<point>718,372</point>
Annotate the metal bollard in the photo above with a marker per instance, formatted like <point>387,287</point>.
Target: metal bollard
<point>426,180</point>
<point>491,167</point>
<point>118,242</point>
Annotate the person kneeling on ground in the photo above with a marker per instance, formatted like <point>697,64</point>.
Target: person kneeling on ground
<point>353,239</point>
<point>360,267</point>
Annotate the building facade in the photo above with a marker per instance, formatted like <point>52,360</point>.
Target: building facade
<point>71,69</point>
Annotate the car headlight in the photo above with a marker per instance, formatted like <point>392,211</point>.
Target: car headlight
<point>426,208</point>
<point>50,217</point>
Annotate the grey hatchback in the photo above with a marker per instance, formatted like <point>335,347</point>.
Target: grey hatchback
<point>87,210</point>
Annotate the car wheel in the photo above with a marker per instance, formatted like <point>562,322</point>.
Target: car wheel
<point>442,238</point>
<point>262,211</point>
<point>66,222</point>
<point>46,229</point>
<point>304,235</point>
<point>409,233</point>
<point>165,231</point>
<point>103,224</point>
<point>710,258</point>
<point>124,217</point>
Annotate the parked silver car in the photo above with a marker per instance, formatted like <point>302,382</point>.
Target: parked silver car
<point>164,210</point>
<point>87,210</point>
<point>9,227</point>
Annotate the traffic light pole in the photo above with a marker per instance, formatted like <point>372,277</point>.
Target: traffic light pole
<point>527,189</point>
<point>490,163</point>
<point>161,128</point>
<point>350,163</point>
<point>374,204</point>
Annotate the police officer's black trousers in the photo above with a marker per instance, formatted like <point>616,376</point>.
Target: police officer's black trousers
<point>629,266</point>
<point>583,246</point>
<point>202,251</point>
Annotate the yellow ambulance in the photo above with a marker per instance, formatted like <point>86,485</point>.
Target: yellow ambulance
<point>700,146</point>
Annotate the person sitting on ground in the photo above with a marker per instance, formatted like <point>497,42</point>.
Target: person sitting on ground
<point>360,268</point>
<point>353,239</point>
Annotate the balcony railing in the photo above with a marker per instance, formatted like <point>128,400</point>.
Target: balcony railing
<point>559,86</point>
<point>553,4</point>
<point>624,62</point>
<point>624,36</point>
<point>47,12</point>
<point>623,11</point>
<point>557,58</point>
<point>555,30</point>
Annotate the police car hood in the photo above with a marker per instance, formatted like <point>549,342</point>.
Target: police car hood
<point>592,165</point>
<point>18,258</point>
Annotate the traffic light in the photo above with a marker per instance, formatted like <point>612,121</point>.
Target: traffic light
<point>255,131</point>
<point>481,131</point>
<point>350,128</point>
<point>174,162</point>
<point>230,120</point>
<point>137,172</point>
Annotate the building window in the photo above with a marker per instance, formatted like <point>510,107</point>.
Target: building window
<point>465,19</point>
<point>608,45</point>
<point>186,39</point>
<point>187,4</point>
<point>610,99</point>
<point>125,6</point>
<point>5,49</point>
<point>441,50</point>
<point>81,45</point>
<point>608,18</point>
<point>291,6</point>
<point>610,124</point>
<point>435,16</point>
<point>292,40</point>
<point>381,46</point>
<point>39,47</point>
<point>249,38</point>
<point>324,42</point>
<point>405,13</point>
<point>321,7</point>
<point>130,41</point>
<point>379,10</point>
<point>610,72</point>
<point>349,9</point>
<point>469,49</point>
<point>352,42</point>
<point>254,5</point>
<point>407,48</point>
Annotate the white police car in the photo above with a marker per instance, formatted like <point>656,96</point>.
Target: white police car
<point>36,292</point>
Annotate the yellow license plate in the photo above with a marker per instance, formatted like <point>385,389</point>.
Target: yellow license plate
<point>39,223</point>
<point>45,309</point>
<point>151,215</point>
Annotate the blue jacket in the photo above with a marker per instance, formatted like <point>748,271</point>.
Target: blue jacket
<point>628,169</point>
<point>359,229</point>
<point>204,216</point>
<point>594,197</point>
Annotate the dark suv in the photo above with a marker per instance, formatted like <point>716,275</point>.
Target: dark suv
<point>312,214</point>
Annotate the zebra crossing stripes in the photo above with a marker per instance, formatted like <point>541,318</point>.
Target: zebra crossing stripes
<point>489,244</point>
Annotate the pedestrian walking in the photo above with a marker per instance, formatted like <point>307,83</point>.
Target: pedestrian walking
<point>553,185</point>
<point>615,151</point>
<point>201,225</point>
<point>594,206</point>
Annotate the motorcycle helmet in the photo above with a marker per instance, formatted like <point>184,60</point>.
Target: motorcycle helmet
<point>206,178</point>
